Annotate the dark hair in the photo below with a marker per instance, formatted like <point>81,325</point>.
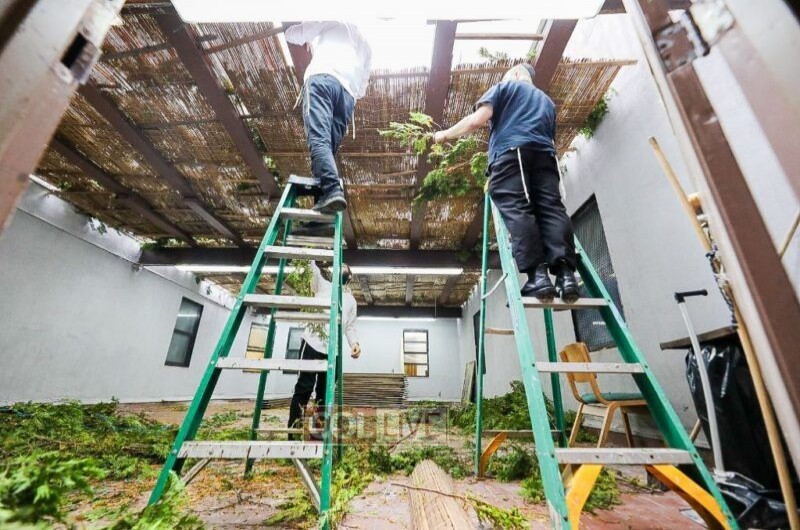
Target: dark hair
<point>346,274</point>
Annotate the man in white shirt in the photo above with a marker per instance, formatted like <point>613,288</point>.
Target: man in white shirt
<point>315,347</point>
<point>336,77</point>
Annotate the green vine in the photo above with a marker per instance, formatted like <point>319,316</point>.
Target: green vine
<point>459,167</point>
<point>595,117</point>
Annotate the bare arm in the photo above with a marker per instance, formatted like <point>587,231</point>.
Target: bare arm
<point>471,123</point>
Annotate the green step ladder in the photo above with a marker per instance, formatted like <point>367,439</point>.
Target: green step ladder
<point>282,308</point>
<point>581,466</point>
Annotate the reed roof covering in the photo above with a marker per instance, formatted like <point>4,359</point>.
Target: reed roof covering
<point>144,78</point>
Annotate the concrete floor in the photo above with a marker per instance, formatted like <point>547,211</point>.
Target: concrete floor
<point>222,498</point>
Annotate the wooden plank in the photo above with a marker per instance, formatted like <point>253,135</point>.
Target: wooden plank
<point>253,37</point>
<point>300,316</point>
<point>432,505</point>
<point>298,253</point>
<point>499,36</point>
<point>583,368</point>
<point>435,96</point>
<point>255,450</point>
<point>410,279</point>
<point>559,304</point>
<point>273,365</point>
<point>623,456</point>
<point>499,331</point>
<point>183,42</point>
<point>299,214</point>
<point>286,302</point>
<point>447,289</point>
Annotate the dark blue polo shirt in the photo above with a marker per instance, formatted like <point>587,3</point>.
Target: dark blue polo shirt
<point>521,115</point>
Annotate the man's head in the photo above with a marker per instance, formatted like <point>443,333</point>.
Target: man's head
<point>346,274</point>
<point>522,72</point>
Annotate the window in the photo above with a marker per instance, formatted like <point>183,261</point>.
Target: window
<point>293,343</point>
<point>415,352</point>
<point>256,342</point>
<point>184,334</point>
<point>589,325</point>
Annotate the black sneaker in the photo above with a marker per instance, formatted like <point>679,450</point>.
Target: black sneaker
<point>331,202</point>
<point>314,229</point>
<point>539,285</point>
<point>566,284</point>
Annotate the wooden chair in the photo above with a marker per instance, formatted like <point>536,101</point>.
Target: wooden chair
<point>596,402</point>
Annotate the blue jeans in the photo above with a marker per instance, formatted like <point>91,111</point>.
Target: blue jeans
<point>327,108</point>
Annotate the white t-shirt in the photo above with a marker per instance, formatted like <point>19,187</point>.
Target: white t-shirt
<point>338,49</point>
<point>322,289</point>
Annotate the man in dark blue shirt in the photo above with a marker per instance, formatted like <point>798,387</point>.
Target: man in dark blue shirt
<point>524,180</point>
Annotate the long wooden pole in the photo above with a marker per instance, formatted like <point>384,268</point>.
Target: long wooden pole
<point>764,403</point>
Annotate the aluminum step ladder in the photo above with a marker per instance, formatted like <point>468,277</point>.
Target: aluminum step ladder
<point>567,495</point>
<point>282,308</point>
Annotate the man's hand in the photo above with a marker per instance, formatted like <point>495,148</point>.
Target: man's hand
<point>356,351</point>
<point>439,137</point>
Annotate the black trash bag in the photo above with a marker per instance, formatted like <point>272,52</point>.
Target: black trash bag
<point>753,490</point>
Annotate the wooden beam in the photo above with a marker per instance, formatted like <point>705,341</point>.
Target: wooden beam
<point>498,36</point>
<point>447,289</point>
<point>410,280</point>
<point>400,311</point>
<point>178,35</point>
<point>361,257</point>
<point>124,196</point>
<point>254,37</point>
<point>611,7</point>
<point>435,97</point>
<point>162,167</point>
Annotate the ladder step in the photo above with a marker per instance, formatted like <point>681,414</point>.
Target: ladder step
<point>559,304</point>
<point>623,456</point>
<point>299,214</point>
<point>598,368</point>
<point>289,430</point>
<point>499,331</point>
<point>320,254</point>
<point>272,365</point>
<point>286,302</point>
<point>310,241</point>
<point>255,450</point>
<point>300,316</point>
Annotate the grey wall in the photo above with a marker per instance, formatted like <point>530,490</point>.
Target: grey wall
<point>79,322</point>
<point>652,244</point>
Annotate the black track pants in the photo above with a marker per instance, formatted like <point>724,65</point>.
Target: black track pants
<point>530,204</point>
<point>306,383</point>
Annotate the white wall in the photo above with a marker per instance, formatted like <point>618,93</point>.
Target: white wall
<point>651,242</point>
<point>78,321</point>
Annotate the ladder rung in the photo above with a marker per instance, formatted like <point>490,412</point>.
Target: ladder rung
<point>255,450</point>
<point>274,365</point>
<point>623,456</point>
<point>300,316</point>
<point>300,214</point>
<point>286,302</point>
<point>310,241</point>
<point>558,303</point>
<point>499,331</point>
<point>290,430</point>
<point>598,368</point>
<point>299,253</point>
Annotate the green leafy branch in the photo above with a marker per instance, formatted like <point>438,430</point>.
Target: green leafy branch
<point>459,167</point>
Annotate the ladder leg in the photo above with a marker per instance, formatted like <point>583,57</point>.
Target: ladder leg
<point>339,397</point>
<point>555,381</point>
<point>205,389</point>
<point>491,449</point>
<point>661,410</point>
<point>699,499</point>
<point>580,487</point>
<point>545,450</point>
<point>481,339</point>
<point>334,328</point>
<point>269,345</point>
